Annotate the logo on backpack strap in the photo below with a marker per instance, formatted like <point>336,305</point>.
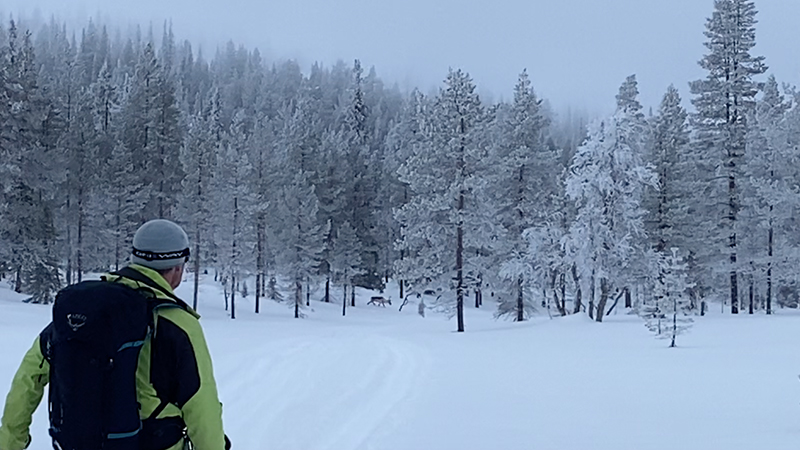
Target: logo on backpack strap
<point>76,321</point>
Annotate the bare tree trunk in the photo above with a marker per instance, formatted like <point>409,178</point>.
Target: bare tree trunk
<point>298,297</point>
<point>769,267</point>
<point>577,280</point>
<point>559,302</point>
<point>264,282</point>
<point>308,292</point>
<point>628,302</point>
<point>196,268</point>
<point>460,232</point>
<point>352,295</point>
<point>259,261</point>
<point>591,297</point>
<point>79,250</point>
<point>401,288</point>
<point>225,292</point>
<point>117,234</point>
<point>328,288</point>
<point>750,310</point>
<point>234,255</point>
<point>233,296</point>
<point>674,324</point>
<point>344,300</point>
<point>18,280</point>
<point>460,271</point>
<point>520,303</point>
<point>604,291</point>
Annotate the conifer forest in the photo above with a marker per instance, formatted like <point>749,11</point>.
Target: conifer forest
<point>286,178</point>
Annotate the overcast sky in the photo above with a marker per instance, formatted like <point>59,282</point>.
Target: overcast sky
<point>577,52</point>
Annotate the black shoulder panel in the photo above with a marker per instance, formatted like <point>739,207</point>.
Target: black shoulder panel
<point>173,367</point>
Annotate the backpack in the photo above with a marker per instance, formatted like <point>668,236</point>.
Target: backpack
<point>93,346</point>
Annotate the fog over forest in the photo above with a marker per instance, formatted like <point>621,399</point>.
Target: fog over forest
<point>576,51</point>
<point>287,177</point>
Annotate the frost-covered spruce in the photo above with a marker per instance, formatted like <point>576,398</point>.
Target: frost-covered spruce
<point>668,315</point>
<point>723,101</point>
<point>607,239</point>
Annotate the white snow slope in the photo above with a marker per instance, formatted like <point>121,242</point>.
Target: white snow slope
<point>384,380</point>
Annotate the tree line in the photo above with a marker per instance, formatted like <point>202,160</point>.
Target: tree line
<point>295,179</point>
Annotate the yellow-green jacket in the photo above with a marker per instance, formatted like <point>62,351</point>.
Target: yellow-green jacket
<point>174,368</point>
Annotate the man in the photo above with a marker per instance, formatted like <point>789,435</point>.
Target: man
<point>175,383</point>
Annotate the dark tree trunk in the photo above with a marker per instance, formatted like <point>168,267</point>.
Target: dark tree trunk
<point>69,240</point>
<point>233,296</point>
<point>344,300</point>
<point>769,270</point>
<point>628,302</point>
<point>578,293</point>
<point>591,298</point>
<point>79,250</point>
<point>225,292</point>
<point>196,264</point>
<point>352,296</point>
<point>298,297</point>
<point>308,293</point>
<point>460,272</point>
<point>674,325</point>
<point>520,303</point>
<point>328,289</point>
<point>732,205</point>
<point>117,234</point>
<point>401,288</point>
<point>559,302</point>
<point>259,262</point>
<point>18,280</point>
<point>601,305</point>
<point>234,255</point>
<point>734,290</point>
<point>750,309</point>
<point>258,291</point>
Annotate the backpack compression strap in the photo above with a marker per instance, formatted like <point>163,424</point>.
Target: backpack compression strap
<point>135,275</point>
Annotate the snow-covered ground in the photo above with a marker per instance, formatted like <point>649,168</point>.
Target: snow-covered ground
<point>385,380</point>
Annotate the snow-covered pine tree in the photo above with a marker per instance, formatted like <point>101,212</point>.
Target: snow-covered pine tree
<point>670,221</point>
<point>525,185</point>
<point>26,227</point>
<point>361,189</point>
<point>263,157</point>
<point>410,132</point>
<point>723,101</point>
<point>234,206</point>
<point>151,119</point>
<point>165,166</point>
<point>771,175</point>
<point>125,192</point>
<point>606,182</point>
<point>668,210</point>
<point>199,159</point>
<point>669,316</point>
<point>345,259</point>
<point>301,236</point>
<point>439,175</point>
<point>334,178</point>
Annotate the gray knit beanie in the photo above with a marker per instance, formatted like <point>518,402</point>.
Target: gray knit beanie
<point>160,244</point>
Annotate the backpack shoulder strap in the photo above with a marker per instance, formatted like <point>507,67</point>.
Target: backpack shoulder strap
<point>135,275</point>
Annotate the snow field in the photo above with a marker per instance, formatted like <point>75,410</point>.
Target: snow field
<point>383,380</point>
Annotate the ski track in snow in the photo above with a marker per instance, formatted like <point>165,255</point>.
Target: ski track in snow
<point>342,406</point>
